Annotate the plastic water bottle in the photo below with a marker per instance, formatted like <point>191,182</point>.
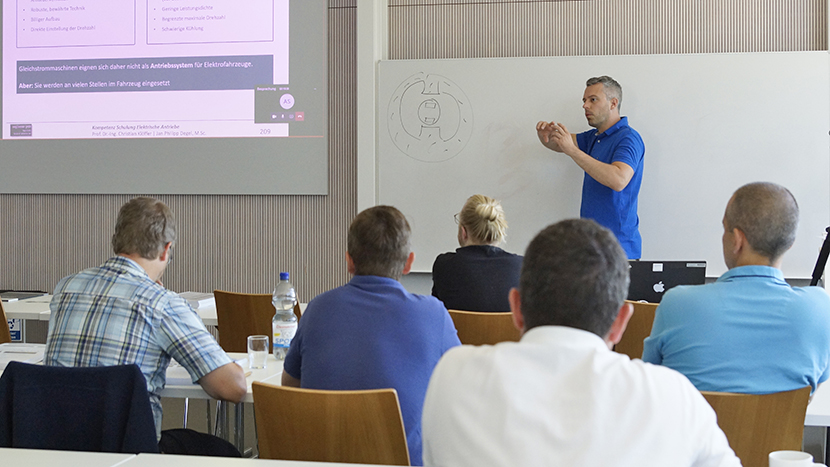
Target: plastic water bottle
<point>284,324</point>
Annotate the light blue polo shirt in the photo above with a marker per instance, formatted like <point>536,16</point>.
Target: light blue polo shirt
<point>614,210</point>
<point>748,332</point>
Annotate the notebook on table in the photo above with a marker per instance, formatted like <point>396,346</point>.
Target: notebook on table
<point>651,279</point>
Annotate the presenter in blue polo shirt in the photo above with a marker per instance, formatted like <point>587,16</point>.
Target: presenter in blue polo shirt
<point>612,157</point>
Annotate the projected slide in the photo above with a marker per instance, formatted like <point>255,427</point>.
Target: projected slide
<point>92,69</point>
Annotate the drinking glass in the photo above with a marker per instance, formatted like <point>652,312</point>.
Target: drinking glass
<point>257,351</point>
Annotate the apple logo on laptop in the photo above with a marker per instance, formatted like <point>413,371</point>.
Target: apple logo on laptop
<point>659,287</point>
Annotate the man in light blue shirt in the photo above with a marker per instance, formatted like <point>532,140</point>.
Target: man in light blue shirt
<point>748,332</point>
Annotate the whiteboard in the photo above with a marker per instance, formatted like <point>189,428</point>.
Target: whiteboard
<point>448,129</point>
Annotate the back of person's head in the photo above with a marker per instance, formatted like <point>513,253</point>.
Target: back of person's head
<point>767,214</point>
<point>483,217</point>
<point>378,242</point>
<point>575,274</point>
<point>144,227</point>
<point>611,87</point>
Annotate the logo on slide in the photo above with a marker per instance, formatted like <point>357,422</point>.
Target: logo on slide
<point>659,287</point>
<point>430,118</point>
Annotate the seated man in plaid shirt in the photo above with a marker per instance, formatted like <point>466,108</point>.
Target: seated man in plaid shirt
<point>119,313</point>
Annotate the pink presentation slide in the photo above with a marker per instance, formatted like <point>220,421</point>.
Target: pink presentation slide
<point>88,69</point>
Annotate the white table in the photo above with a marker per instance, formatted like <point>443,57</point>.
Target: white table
<point>41,457</point>
<point>169,460</point>
<point>37,308</point>
<point>818,411</point>
<point>179,386</point>
<point>29,308</point>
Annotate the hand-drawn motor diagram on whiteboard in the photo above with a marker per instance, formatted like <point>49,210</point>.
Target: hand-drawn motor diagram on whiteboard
<point>430,118</point>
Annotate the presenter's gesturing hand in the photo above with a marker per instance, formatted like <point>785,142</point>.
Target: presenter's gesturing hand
<point>551,135</point>
<point>556,137</point>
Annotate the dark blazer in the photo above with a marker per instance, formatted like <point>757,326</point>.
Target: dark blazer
<point>476,278</point>
<point>103,409</point>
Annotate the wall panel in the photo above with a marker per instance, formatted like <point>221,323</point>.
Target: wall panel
<point>227,242</point>
<point>482,28</point>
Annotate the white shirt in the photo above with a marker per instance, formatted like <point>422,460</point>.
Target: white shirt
<point>561,398</point>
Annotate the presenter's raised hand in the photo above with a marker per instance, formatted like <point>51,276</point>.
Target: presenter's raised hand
<point>545,132</point>
<point>563,139</point>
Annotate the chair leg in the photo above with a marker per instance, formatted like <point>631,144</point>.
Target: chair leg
<point>239,429</point>
<point>186,404</point>
<point>209,423</point>
<point>222,420</point>
<point>256,438</point>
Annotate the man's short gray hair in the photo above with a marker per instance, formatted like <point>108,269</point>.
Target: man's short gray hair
<point>144,227</point>
<point>575,274</point>
<point>767,214</point>
<point>611,87</point>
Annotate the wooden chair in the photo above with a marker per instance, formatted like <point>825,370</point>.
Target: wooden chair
<point>361,427</point>
<point>240,315</point>
<point>639,327</point>
<point>756,425</point>
<point>480,328</point>
<point>5,334</point>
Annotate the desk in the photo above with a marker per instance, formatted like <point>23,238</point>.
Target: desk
<point>30,308</point>
<point>178,386</point>
<point>169,460</point>
<point>42,457</point>
<point>818,410</point>
<point>37,308</point>
<point>38,457</point>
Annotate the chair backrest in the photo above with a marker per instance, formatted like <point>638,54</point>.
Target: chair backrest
<point>240,315</point>
<point>639,327</point>
<point>479,328</point>
<point>5,334</point>
<point>103,409</point>
<point>756,425</point>
<point>362,427</point>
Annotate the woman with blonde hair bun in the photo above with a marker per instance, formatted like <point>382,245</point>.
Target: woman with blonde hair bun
<point>478,276</point>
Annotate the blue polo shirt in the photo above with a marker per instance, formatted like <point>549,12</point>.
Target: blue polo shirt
<point>372,334</point>
<point>748,332</point>
<point>614,210</point>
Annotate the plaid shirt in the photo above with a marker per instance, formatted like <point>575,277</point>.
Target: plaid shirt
<point>115,315</point>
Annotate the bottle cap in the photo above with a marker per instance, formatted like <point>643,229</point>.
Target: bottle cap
<point>283,276</point>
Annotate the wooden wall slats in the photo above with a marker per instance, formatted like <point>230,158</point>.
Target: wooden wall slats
<point>482,28</point>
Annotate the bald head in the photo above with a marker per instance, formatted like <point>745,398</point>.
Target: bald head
<point>767,214</point>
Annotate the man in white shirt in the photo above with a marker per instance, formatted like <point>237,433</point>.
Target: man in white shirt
<point>560,396</point>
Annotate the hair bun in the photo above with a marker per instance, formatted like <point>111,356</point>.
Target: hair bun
<point>484,219</point>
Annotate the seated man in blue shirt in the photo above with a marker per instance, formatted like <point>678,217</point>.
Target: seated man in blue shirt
<point>748,332</point>
<point>371,333</point>
<point>119,313</point>
<point>611,155</point>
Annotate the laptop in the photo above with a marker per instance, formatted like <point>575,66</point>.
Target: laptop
<point>651,279</point>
